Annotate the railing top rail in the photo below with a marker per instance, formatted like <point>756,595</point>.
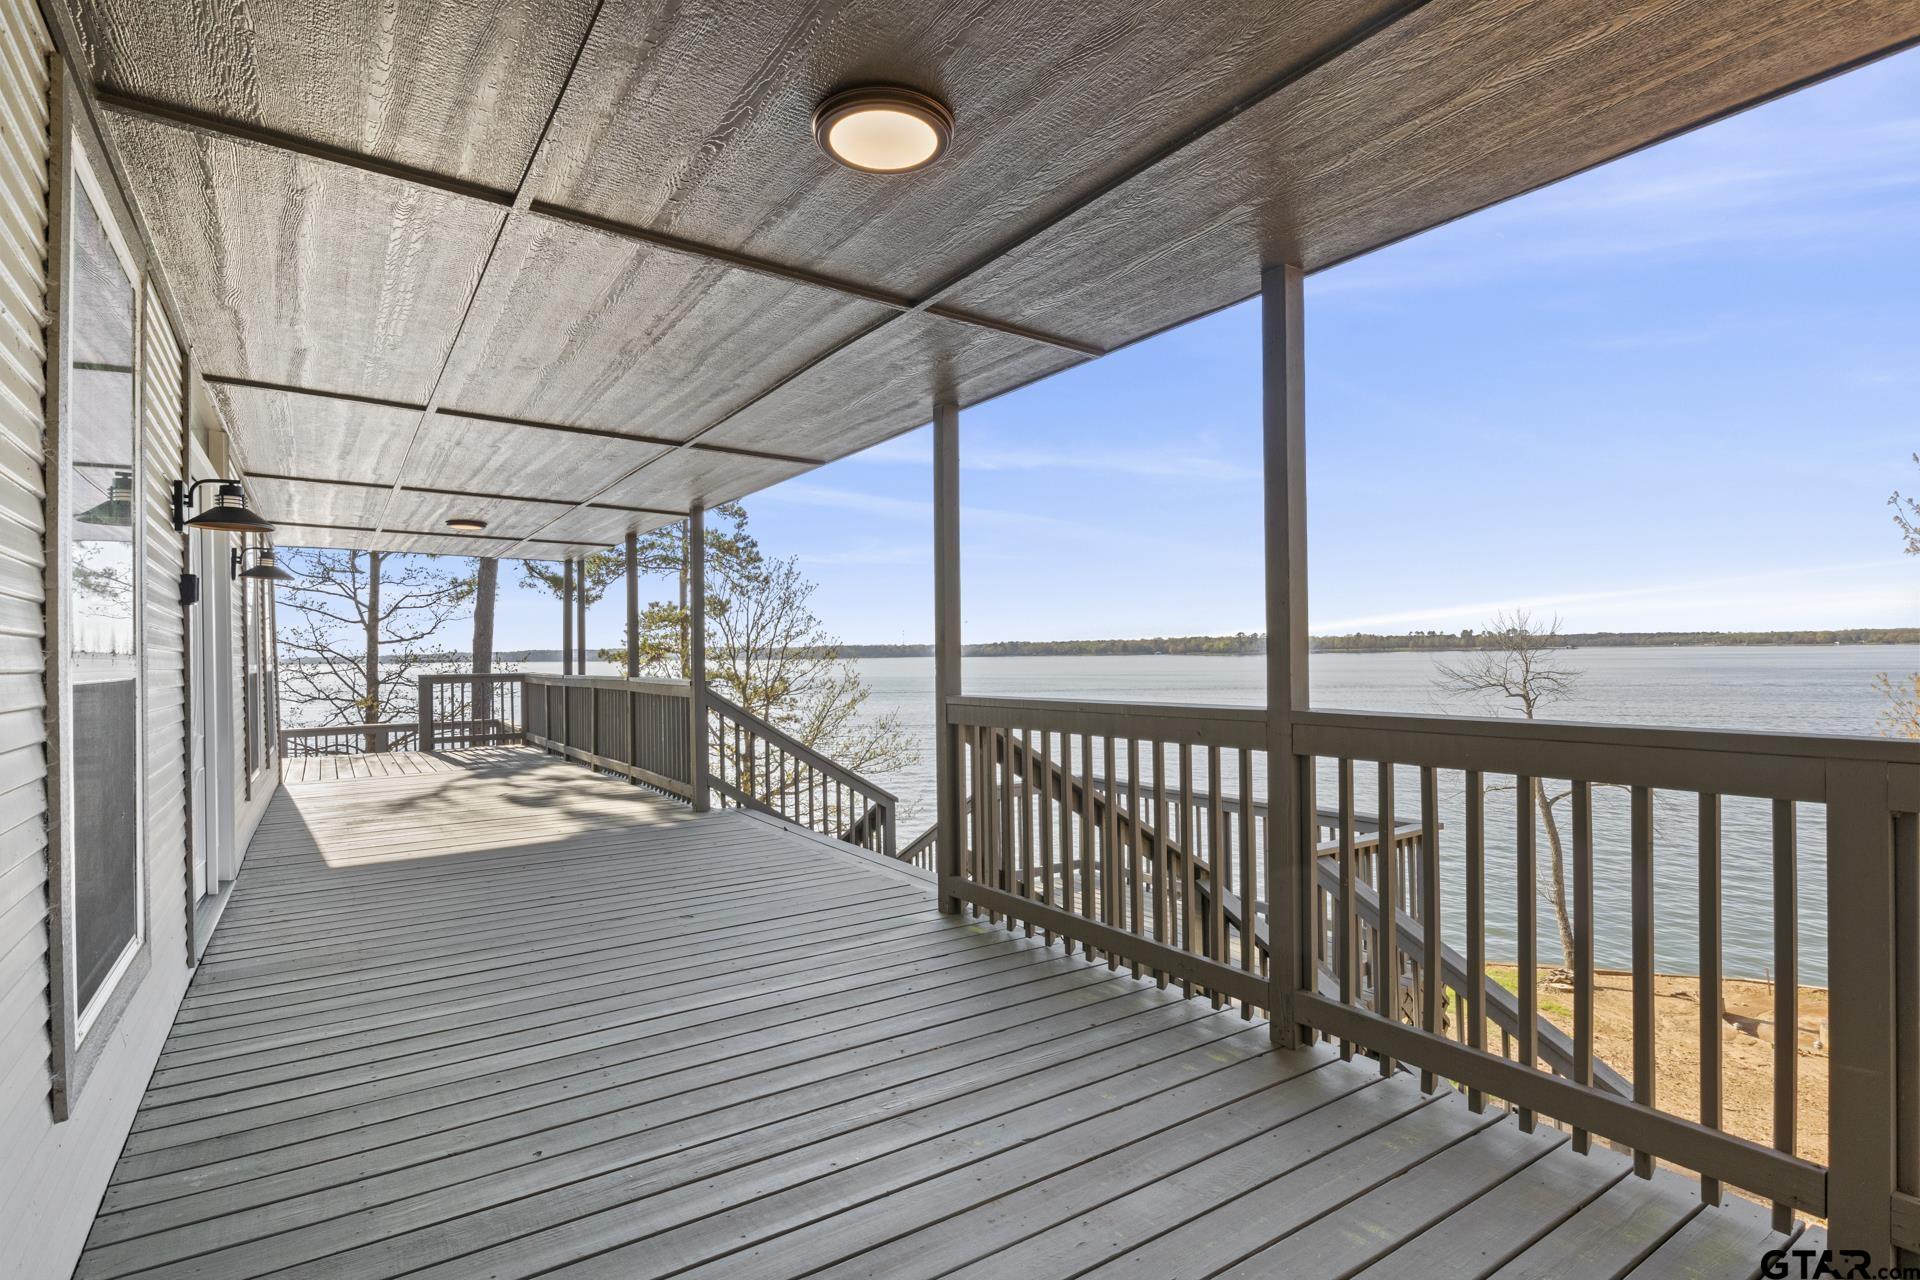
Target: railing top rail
<point>321,730</point>
<point>645,684</point>
<point>794,747</point>
<point>1776,765</point>
<point>1205,725</point>
<point>463,677</point>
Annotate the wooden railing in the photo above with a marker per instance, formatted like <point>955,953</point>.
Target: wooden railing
<point>1157,878</point>
<point>757,766</point>
<point>638,728</point>
<point>468,710</point>
<point>349,739</point>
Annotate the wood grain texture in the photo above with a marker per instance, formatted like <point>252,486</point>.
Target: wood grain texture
<point>457,87</point>
<point>594,528</point>
<point>453,452</point>
<point>315,436</point>
<point>1460,104</point>
<point>887,384</point>
<point>282,501</point>
<point>696,119</point>
<point>683,476</point>
<point>576,327</point>
<point>295,271</point>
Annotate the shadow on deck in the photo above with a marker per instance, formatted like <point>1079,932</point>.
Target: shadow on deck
<point>500,1016</point>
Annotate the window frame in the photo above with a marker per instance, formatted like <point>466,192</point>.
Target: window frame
<point>81,1035</point>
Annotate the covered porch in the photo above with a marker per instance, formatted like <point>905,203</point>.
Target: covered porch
<point>493,1012</point>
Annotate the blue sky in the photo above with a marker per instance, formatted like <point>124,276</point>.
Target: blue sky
<point>1672,393</point>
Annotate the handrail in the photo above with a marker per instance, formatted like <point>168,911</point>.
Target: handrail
<point>794,747</point>
<point>812,791</point>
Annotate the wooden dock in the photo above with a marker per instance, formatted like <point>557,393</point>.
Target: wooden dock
<point>491,1014</point>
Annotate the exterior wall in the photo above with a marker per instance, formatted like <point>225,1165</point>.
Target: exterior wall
<point>52,1172</point>
<point>164,621</point>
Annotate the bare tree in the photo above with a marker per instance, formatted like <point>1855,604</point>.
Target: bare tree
<point>1901,718</point>
<point>1513,666</point>
<point>355,630</point>
<point>770,654</point>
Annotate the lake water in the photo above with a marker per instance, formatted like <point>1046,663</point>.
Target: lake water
<point>1825,690</point>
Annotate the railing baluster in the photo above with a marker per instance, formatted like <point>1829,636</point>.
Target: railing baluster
<point>1711,989</point>
<point>1005,870</point>
<point>1349,966</point>
<point>1432,974</point>
<point>1135,895</point>
<point>1582,958</point>
<point>1026,865</point>
<point>1112,865</point>
<point>1219,865</point>
<point>1047,828</point>
<point>1069,882</point>
<point>1386,960</point>
<point>1189,854</point>
<point>1527,919</point>
<point>1249,882</point>
<point>1786,990</point>
<point>1091,881</point>
<point>1162,895</point>
<point>1644,1061</point>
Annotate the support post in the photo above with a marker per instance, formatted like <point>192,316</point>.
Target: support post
<point>580,614</point>
<point>949,795</point>
<point>566,617</point>
<point>1863,1092</point>
<point>633,605</point>
<point>697,648</point>
<point>1290,842</point>
<point>424,694</point>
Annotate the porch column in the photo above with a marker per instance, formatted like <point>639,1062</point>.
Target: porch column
<point>633,605</point>
<point>580,614</point>
<point>1290,823</point>
<point>566,617</point>
<point>697,647</point>
<point>950,799</point>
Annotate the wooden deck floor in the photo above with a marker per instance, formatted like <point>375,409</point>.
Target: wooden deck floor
<point>509,1018</point>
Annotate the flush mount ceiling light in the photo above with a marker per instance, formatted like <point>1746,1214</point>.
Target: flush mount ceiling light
<point>883,128</point>
<point>466,524</point>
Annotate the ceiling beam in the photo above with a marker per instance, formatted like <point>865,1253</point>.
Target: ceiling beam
<point>506,419</point>
<point>427,533</point>
<point>208,124</point>
<point>466,493</point>
<point>761,266</point>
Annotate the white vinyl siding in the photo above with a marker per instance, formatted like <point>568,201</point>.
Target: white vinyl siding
<point>53,1172</point>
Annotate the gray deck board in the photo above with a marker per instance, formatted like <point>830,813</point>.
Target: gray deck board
<point>490,1014</point>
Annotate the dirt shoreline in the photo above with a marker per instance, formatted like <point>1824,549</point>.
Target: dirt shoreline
<point>1746,1039</point>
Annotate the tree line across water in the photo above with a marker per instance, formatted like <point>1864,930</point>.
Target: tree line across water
<point>1250,642</point>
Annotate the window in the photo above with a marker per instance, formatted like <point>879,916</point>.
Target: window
<point>98,557</point>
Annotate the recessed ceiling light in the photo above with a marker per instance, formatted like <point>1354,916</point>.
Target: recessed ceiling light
<point>883,128</point>
<point>467,525</point>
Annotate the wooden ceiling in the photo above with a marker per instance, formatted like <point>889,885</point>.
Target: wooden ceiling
<point>570,267</point>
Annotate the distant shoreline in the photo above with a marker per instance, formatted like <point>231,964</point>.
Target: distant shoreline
<point>1245,644</point>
